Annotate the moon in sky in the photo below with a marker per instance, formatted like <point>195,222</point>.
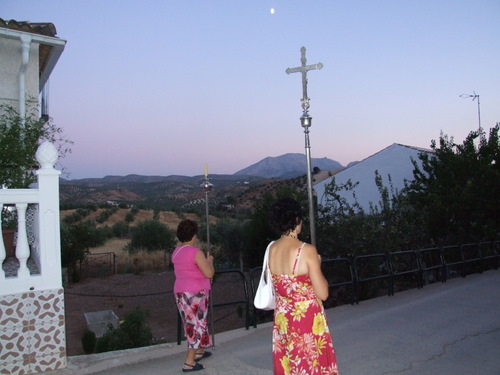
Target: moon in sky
<point>272,10</point>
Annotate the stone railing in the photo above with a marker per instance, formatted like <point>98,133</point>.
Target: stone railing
<point>36,262</point>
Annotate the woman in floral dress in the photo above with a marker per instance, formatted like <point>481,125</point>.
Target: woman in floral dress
<point>302,344</point>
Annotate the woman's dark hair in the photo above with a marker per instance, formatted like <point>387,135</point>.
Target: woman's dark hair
<point>286,214</point>
<point>186,230</point>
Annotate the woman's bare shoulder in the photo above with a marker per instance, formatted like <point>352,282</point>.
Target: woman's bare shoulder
<point>309,249</point>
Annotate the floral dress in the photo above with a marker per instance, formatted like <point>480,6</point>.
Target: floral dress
<point>302,344</point>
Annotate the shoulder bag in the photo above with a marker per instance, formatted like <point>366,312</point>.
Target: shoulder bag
<point>264,296</point>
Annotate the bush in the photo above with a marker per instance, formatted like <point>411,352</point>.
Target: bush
<point>19,140</point>
<point>89,341</point>
<point>132,333</point>
<point>151,235</point>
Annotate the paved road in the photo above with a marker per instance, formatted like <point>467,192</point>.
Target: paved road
<point>448,328</point>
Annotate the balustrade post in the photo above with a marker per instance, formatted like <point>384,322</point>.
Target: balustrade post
<point>49,231</point>
<point>22,247</point>
<point>2,247</point>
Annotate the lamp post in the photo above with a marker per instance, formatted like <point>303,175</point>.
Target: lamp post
<point>305,121</point>
<point>207,187</point>
<point>474,96</point>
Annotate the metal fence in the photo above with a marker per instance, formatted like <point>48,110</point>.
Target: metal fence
<point>385,270</point>
<point>400,270</point>
<point>98,265</point>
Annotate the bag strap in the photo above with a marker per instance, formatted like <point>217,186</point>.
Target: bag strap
<point>265,265</point>
<point>178,251</point>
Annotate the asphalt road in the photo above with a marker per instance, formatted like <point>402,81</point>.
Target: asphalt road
<point>445,328</point>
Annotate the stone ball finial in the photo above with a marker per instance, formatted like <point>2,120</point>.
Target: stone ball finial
<point>47,155</point>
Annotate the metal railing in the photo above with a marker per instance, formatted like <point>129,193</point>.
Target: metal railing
<point>403,263</point>
<point>369,268</point>
<point>339,272</point>
<point>420,267</point>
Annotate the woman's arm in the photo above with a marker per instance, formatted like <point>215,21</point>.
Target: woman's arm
<point>319,283</point>
<point>205,264</point>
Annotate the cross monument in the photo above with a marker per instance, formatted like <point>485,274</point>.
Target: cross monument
<point>303,69</point>
<point>306,120</point>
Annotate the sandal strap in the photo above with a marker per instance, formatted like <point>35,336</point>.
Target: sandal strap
<point>195,367</point>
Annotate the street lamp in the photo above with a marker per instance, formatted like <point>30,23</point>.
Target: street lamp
<point>478,108</point>
<point>306,122</point>
<point>207,187</point>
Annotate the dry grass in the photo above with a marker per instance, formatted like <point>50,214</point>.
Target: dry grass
<point>135,263</point>
<point>141,261</point>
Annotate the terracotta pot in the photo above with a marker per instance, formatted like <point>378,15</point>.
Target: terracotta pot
<point>8,240</point>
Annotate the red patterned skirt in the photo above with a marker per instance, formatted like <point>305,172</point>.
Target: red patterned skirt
<point>193,308</point>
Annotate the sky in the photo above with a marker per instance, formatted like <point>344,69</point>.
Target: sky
<point>163,87</point>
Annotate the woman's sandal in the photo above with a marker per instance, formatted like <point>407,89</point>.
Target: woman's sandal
<point>200,356</point>
<point>195,367</point>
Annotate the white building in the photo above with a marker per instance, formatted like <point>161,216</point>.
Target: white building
<point>395,160</point>
<point>32,323</point>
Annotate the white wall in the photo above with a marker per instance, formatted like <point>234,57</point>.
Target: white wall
<point>10,54</point>
<point>394,160</point>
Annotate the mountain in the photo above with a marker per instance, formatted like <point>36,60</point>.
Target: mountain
<point>287,166</point>
<point>167,193</point>
<point>174,191</point>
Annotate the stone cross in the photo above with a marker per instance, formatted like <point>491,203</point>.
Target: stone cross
<point>304,69</point>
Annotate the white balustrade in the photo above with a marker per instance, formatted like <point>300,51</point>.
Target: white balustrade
<point>41,243</point>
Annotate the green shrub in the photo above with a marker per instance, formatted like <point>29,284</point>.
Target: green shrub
<point>89,341</point>
<point>132,333</point>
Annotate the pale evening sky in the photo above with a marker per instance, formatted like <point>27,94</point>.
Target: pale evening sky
<point>159,87</point>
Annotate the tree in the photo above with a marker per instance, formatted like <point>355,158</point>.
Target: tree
<point>347,230</point>
<point>258,229</point>
<point>151,235</point>
<point>120,229</point>
<point>77,239</point>
<point>458,188</point>
<point>229,234</point>
<point>19,141</point>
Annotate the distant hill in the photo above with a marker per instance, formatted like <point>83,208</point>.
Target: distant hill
<point>174,191</point>
<point>136,178</point>
<point>287,166</point>
<point>167,192</point>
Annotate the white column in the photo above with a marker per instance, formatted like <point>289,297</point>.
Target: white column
<point>22,247</point>
<point>49,230</point>
<point>2,247</point>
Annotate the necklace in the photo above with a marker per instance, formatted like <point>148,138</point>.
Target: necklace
<point>289,234</point>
